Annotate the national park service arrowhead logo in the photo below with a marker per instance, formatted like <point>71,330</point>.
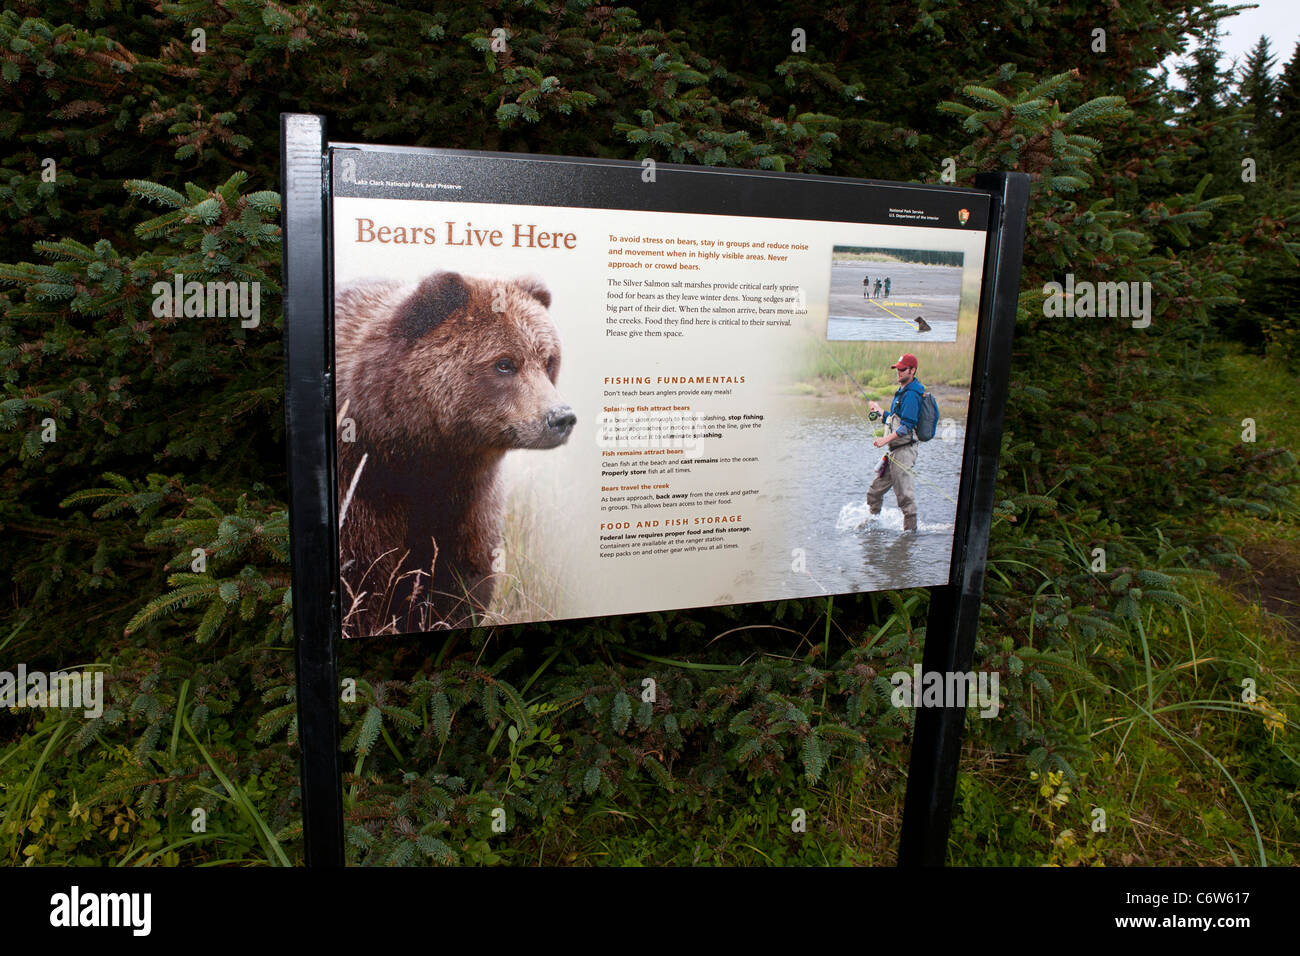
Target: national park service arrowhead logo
<point>963,215</point>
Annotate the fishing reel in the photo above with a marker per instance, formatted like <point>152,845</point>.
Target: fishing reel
<point>873,415</point>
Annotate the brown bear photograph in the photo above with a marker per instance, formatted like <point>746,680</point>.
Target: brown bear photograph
<point>436,381</point>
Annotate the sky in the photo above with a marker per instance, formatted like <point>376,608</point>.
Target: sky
<point>1279,20</point>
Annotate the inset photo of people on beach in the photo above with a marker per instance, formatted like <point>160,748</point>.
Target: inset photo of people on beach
<point>895,295</point>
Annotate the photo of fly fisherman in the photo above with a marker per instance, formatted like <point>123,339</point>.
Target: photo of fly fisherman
<point>895,468</point>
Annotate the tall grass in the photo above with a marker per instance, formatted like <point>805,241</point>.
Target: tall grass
<point>1165,751</point>
<point>864,257</point>
<point>869,362</point>
<point>529,586</point>
<point>1179,718</point>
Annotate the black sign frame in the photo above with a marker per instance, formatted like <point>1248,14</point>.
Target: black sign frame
<point>307,192</point>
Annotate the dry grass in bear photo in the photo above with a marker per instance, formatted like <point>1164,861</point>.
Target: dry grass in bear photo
<point>436,381</point>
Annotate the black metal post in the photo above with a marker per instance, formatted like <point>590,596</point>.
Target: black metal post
<point>309,432</point>
<point>955,607</point>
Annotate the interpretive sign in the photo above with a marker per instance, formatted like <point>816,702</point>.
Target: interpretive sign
<point>527,388</point>
<point>571,387</point>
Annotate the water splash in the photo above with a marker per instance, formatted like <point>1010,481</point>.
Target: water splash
<point>856,516</point>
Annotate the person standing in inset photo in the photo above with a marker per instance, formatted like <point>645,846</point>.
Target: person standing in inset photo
<point>895,469</point>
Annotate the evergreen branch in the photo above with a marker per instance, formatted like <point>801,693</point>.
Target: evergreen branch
<point>987,96</point>
<point>180,597</point>
<point>154,192</point>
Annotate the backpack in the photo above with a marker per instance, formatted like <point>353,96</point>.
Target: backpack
<point>929,418</point>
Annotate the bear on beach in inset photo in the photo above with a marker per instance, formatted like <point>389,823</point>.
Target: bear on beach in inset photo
<point>439,379</point>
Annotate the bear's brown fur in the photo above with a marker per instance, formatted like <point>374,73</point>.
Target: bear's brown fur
<point>440,385</point>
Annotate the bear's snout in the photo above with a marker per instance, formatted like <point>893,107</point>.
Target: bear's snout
<point>559,423</point>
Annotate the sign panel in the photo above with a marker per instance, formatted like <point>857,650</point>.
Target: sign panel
<point>567,388</point>
<point>507,361</point>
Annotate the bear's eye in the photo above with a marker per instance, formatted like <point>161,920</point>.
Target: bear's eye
<point>505,366</point>
<point>552,366</point>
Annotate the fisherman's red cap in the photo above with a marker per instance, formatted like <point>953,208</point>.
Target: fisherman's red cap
<point>906,360</point>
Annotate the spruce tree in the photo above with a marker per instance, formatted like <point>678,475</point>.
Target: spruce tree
<point>1285,141</point>
<point>1257,91</point>
<point>1268,315</point>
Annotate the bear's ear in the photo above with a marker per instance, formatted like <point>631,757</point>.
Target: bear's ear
<point>436,298</point>
<point>536,288</point>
